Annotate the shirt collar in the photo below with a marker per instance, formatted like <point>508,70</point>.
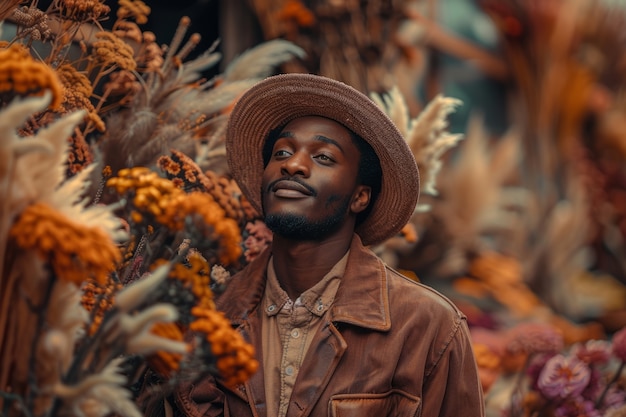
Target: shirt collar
<point>316,299</point>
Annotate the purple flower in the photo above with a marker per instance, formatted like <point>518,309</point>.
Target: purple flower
<point>563,377</point>
<point>593,352</point>
<point>535,366</point>
<point>535,338</point>
<point>619,344</point>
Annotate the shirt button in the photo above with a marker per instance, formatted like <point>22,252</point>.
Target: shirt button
<point>295,333</point>
<point>289,370</point>
<point>271,308</point>
<point>320,307</point>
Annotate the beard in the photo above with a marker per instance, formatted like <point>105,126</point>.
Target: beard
<point>299,227</point>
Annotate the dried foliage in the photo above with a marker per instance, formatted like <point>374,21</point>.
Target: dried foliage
<point>109,262</point>
<point>352,41</point>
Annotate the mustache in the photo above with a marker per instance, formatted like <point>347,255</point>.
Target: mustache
<point>294,179</point>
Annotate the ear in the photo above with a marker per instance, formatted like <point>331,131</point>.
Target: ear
<point>361,198</point>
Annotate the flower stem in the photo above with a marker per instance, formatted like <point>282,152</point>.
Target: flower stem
<point>613,380</point>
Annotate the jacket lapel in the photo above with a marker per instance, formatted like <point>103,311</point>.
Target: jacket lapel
<point>361,300</point>
<point>327,348</point>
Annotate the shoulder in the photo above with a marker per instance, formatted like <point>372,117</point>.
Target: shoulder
<point>426,299</point>
<point>425,313</point>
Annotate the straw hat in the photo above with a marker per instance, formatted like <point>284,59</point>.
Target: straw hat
<point>275,101</point>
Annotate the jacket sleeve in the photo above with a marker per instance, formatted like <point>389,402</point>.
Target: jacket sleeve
<point>202,399</point>
<point>453,387</point>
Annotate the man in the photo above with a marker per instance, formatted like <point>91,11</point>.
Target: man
<point>337,333</point>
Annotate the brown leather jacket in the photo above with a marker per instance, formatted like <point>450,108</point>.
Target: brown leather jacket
<point>388,347</point>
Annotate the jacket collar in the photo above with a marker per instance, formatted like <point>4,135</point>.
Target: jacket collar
<point>361,300</point>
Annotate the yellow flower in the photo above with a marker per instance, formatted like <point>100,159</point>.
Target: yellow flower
<point>76,252</point>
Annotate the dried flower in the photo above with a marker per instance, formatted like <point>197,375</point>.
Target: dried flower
<point>196,276</point>
<point>33,22</point>
<point>77,92</point>
<point>235,357</point>
<point>75,251</point>
<point>563,377</point>
<point>98,299</point>
<point>533,338</point>
<point>110,50</point>
<point>135,9</point>
<point>128,30</point>
<point>79,155</point>
<point>83,10</point>
<point>21,75</point>
<point>593,352</point>
<point>257,238</point>
<point>213,224</point>
<point>123,83</point>
<point>166,362</point>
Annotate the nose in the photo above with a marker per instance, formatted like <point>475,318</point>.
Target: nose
<point>296,164</point>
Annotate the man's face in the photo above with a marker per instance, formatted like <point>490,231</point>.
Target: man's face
<point>310,182</point>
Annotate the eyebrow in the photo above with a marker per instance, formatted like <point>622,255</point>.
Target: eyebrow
<point>320,138</point>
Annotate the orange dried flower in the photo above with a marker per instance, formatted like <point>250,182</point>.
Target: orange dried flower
<point>110,50</point>
<point>135,9</point>
<point>128,30</point>
<point>217,226</point>
<point>197,277</point>
<point>76,252</point>
<point>150,55</point>
<point>78,90</point>
<point>224,190</point>
<point>21,75</point>
<point>235,358</point>
<point>166,362</point>
<point>123,83</point>
<point>83,10</point>
<point>99,298</point>
<point>80,155</point>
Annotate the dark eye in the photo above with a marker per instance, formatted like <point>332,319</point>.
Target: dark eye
<point>324,158</point>
<point>281,153</point>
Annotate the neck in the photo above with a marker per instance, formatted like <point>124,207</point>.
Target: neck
<point>299,265</point>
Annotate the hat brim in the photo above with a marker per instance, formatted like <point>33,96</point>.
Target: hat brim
<point>275,101</point>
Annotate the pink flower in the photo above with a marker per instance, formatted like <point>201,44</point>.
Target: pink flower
<point>535,338</point>
<point>563,377</point>
<point>593,352</point>
<point>619,344</point>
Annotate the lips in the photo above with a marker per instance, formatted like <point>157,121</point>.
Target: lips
<point>290,189</point>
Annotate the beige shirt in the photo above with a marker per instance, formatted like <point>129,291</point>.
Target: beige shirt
<point>287,330</point>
